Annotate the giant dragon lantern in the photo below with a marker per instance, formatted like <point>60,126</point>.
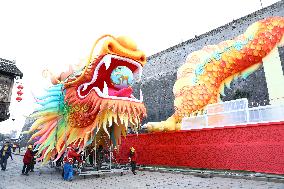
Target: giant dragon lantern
<point>91,101</point>
<point>201,79</point>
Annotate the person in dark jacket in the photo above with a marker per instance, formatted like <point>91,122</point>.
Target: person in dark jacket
<point>5,153</point>
<point>133,159</point>
<point>14,148</point>
<point>28,157</point>
<point>100,157</point>
<point>90,153</point>
<point>33,162</point>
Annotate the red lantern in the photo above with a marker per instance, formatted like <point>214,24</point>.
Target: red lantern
<point>20,87</point>
<point>19,98</point>
<point>19,93</point>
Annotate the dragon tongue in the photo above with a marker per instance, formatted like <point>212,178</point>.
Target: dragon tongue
<point>125,92</point>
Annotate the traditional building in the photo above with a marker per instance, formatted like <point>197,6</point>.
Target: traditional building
<point>8,72</point>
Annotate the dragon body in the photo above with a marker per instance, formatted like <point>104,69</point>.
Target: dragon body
<point>202,78</point>
<point>87,102</point>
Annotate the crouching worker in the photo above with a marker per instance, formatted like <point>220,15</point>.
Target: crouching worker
<point>132,159</point>
<point>68,163</point>
<point>28,157</point>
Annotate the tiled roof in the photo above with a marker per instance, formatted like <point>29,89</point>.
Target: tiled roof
<point>9,67</point>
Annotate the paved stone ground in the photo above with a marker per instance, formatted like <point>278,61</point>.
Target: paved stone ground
<point>45,177</point>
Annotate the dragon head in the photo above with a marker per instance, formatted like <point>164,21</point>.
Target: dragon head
<point>101,94</point>
<point>113,72</point>
<point>89,103</point>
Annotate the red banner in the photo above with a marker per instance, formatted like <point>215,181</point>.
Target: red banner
<point>258,148</point>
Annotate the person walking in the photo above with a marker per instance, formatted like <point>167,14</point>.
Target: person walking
<point>28,157</point>
<point>68,163</point>
<point>5,153</point>
<point>90,156</point>
<point>33,162</point>
<point>14,148</point>
<point>133,158</point>
<point>100,157</point>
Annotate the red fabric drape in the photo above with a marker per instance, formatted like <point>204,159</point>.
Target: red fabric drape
<point>258,147</point>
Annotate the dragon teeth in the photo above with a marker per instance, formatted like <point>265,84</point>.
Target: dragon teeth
<point>98,91</point>
<point>105,89</point>
<point>85,86</point>
<point>107,61</point>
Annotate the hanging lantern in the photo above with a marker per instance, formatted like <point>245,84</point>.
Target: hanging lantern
<point>19,99</point>
<point>20,87</point>
<point>19,93</point>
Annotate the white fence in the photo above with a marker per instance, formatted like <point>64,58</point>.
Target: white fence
<point>231,113</point>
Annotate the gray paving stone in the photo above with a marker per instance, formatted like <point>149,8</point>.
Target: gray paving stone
<point>45,177</point>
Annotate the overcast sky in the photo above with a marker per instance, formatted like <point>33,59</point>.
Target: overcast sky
<point>54,33</point>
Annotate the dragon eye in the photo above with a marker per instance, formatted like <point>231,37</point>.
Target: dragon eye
<point>142,58</point>
<point>110,47</point>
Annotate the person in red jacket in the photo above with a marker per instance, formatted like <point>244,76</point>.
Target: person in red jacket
<point>28,157</point>
<point>133,159</point>
<point>68,163</point>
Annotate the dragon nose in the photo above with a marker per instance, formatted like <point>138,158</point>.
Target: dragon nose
<point>124,46</point>
<point>143,58</point>
<point>127,43</point>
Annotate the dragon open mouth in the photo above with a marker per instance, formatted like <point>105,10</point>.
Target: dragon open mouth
<point>112,79</point>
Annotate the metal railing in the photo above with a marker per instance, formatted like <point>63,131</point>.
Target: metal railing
<point>235,112</point>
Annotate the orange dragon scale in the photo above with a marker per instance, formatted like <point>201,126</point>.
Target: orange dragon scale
<point>201,79</point>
